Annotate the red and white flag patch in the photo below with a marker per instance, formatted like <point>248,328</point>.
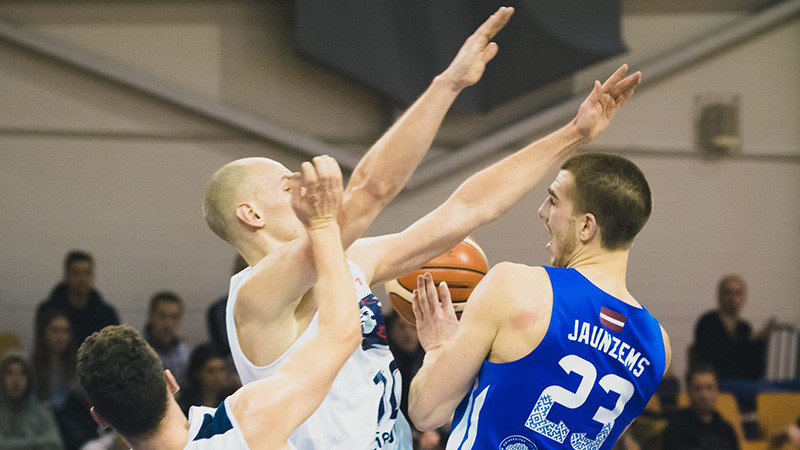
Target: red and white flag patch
<point>612,319</point>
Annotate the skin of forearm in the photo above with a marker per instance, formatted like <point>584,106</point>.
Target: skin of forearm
<point>387,166</point>
<point>498,187</point>
<point>338,308</point>
<point>421,399</point>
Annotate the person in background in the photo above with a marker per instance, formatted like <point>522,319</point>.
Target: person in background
<point>24,423</point>
<point>53,359</point>
<point>726,340</point>
<point>164,318</point>
<point>209,379</point>
<point>77,297</point>
<point>408,354</point>
<point>700,426</point>
<point>215,314</point>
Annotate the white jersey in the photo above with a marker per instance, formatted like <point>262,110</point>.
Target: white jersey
<point>214,428</point>
<point>362,408</point>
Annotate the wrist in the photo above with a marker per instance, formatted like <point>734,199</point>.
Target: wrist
<point>444,81</point>
<point>575,134</point>
<point>322,223</point>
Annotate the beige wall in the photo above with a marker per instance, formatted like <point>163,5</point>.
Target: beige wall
<point>87,164</point>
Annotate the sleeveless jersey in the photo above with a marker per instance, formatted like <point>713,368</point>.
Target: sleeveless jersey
<point>361,410</point>
<point>599,363</point>
<point>214,428</point>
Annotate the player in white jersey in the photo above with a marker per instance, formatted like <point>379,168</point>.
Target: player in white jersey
<point>272,306</point>
<point>130,391</point>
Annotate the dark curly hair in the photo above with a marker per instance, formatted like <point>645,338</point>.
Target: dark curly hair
<point>124,379</point>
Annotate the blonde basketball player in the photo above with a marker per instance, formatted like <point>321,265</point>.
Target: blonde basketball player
<point>131,392</point>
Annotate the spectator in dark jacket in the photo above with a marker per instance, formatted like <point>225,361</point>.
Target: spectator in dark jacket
<point>78,299</point>
<point>700,427</point>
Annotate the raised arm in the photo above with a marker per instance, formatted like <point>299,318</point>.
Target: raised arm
<point>490,192</point>
<point>387,166</point>
<point>270,409</point>
<point>288,271</point>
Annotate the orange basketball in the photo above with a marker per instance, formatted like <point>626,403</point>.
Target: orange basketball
<point>461,268</point>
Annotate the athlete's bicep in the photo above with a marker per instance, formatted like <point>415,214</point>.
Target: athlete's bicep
<point>386,257</point>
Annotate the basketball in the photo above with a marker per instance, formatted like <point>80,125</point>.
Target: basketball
<point>461,268</point>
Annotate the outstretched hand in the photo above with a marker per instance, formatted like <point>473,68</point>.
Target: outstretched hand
<point>436,322</point>
<point>596,112</point>
<point>470,61</point>
<point>317,192</point>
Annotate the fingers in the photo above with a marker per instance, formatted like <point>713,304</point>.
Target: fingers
<point>494,23</point>
<point>309,175</point>
<point>447,302</point>
<point>594,96</point>
<point>489,52</point>
<point>630,82</point>
<point>615,77</point>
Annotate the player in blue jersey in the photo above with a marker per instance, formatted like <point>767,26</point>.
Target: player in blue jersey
<point>130,390</point>
<point>548,357</point>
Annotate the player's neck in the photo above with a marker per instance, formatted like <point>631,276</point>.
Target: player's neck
<point>606,270</point>
<point>256,246</point>
<point>172,433</point>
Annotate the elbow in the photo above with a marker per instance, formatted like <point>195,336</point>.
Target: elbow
<point>424,421</point>
<point>424,417</point>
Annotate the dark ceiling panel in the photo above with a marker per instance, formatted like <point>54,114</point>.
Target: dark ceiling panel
<point>397,47</point>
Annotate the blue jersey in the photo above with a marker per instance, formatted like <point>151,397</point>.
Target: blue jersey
<point>593,373</point>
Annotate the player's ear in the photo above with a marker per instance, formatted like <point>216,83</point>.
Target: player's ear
<point>172,384</point>
<point>98,418</point>
<point>588,228</point>
<point>250,215</point>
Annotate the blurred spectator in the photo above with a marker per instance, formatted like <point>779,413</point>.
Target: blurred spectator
<point>75,422</point>
<point>727,341</point>
<point>164,317</point>
<point>700,426</point>
<point>215,315</point>
<point>209,379</point>
<point>78,299</point>
<point>24,424</point>
<point>407,351</point>
<point>53,359</point>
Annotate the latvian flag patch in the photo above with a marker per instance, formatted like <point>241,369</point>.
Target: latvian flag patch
<point>612,319</point>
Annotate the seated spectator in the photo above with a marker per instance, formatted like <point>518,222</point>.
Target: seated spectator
<point>78,299</point>
<point>24,424</point>
<point>164,317</point>
<point>700,426</point>
<point>215,315</point>
<point>727,341</point>
<point>209,379</point>
<point>53,359</point>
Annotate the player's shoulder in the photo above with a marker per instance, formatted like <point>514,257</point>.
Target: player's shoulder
<point>514,280</point>
<point>518,275</point>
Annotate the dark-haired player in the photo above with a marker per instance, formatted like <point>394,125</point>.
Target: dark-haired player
<point>130,390</point>
<point>271,304</point>
<point>548,357</point>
